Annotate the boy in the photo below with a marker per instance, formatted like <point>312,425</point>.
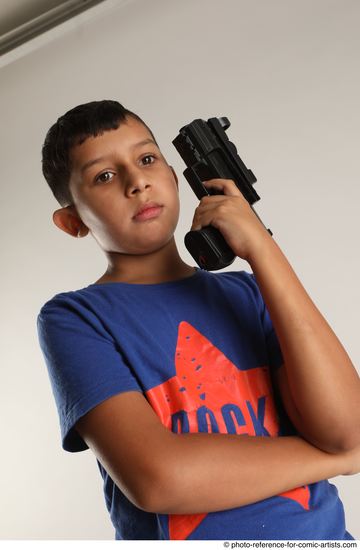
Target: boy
<point>174,376</point>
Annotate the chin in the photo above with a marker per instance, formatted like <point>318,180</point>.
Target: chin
<point>152,247</point>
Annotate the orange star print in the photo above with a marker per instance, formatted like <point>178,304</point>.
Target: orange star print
<point>210,394</point>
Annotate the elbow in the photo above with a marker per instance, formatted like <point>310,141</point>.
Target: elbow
<point>169,486</point>
<point>157,492</point>
<point>337,436</point>
<point>160,487</point>
<point>349,442</point>
<point>158,496</point>
<point>146,488</point>
<point>348,437</point>
<point>166,492</point>
<point>344,442</point>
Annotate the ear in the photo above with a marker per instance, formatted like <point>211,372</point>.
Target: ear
<point>67,219</point>
<point>175,176</point>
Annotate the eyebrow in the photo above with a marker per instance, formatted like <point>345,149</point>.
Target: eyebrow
<point>91,162</point>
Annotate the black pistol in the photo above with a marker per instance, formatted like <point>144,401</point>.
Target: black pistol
<point>208,153</point>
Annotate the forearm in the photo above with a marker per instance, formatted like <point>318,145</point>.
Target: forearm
<point>211,472</point>
<point>323,384</point>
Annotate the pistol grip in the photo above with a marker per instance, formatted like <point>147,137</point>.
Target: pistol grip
<point>209,248</point>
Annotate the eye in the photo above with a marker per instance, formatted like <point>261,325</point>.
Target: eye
<point>148,157</point>
<point>104,177</point>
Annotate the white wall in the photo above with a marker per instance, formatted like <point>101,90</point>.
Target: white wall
<point>286,73</point>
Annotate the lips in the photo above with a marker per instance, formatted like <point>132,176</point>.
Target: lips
<point>147,211</point>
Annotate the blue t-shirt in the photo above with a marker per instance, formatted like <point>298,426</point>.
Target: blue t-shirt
<point>202,351</point>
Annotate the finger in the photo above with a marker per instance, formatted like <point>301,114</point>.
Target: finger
<point>225,186</point>
<point>202,221</point>
<point>209,200</point>
<point>206,212</point>
<point>208,204</point>
<point>212,201</point>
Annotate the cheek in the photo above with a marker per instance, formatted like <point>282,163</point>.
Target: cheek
<point>172,214</point>
<point>176,213</point>
<point>94,219</point>
<point>173,199</point>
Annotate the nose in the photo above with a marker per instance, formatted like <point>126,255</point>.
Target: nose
<point>136,182</point>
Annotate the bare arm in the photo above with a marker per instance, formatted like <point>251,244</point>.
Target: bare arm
<point>319,385</point>
<point>163,472</point>
<point>221,471</point>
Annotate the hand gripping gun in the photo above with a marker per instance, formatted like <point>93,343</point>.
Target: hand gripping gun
<point>208,153</point>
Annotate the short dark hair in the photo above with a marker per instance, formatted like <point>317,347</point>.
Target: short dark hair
<point>73,128</point>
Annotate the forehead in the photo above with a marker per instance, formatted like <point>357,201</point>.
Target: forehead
<point>120,141</point>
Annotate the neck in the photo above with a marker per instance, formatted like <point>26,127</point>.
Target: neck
<point>161,266</point>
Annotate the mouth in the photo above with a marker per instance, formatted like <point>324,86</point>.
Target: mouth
<point>148,211</point>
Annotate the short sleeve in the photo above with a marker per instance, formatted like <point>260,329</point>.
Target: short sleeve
<point>84,364</point>
<point>272,343</point>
